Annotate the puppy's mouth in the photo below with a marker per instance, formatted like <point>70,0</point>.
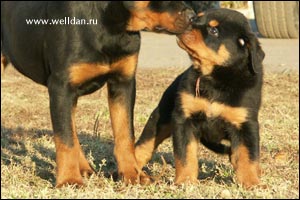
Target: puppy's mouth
<point>160,29</point>
<point>192,53</point>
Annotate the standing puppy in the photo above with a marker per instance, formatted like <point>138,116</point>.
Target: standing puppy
<point>76,60</point>
<point>216,99</point>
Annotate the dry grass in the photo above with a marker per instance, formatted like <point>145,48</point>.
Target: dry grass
<point>28,153</point>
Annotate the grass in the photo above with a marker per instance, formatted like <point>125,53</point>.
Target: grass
<point>28,152</point>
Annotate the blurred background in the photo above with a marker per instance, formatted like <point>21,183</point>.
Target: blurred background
<point>276,23</point>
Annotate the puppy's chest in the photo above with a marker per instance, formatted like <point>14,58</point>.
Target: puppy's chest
<point>210,104</point>
<point>212,90</point>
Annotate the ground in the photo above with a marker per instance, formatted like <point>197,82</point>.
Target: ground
<point>28,152</point>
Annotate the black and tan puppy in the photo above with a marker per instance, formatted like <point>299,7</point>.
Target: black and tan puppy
<point>75,60</point>
<point>216,99</point>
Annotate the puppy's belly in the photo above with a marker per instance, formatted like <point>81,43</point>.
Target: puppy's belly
<point>211,129</point>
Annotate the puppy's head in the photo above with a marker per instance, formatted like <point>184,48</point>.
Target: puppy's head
<point>222,38</point>
<point>159,16</point>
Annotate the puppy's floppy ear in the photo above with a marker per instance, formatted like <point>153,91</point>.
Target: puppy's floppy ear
<point>256,55</point>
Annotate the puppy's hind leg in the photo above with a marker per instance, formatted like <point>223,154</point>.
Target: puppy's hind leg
<point>154,133</point>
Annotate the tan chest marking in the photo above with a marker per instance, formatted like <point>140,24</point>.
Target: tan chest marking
<point>191,105</point>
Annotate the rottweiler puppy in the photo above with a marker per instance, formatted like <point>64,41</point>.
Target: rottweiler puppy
<point>216,100</point>
<point>76,60</point>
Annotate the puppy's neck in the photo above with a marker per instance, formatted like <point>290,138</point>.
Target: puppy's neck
<point>204,68</point>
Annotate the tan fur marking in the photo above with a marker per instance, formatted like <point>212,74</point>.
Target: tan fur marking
<point>81,72</point>
<point>226,142</point>
<point>145,18</point>
<point>247,171</point>
<point>167,20</point>
<point>84,166</point>
<point>139,19</point>
<point>213,23</point>
<point>137,22</point>
<point>144,151</point>
<point>223,55</point>
<point>141,4</point>
<point>191,105</point>
<point>206,67</point>
<point>193,43</point>
<point>234,115</point>
<point>124,144</point>
<point>148,19</point>
<point>126,66</point>
<point>3,63</point>
<point>187,172</point>
<point>67,163</point>
<point>119,117</point>
<point>70,161</point>
<point>200,14</point>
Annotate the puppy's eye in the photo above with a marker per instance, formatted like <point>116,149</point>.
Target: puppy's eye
<point>213,31</point>
<point>241,42</point>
